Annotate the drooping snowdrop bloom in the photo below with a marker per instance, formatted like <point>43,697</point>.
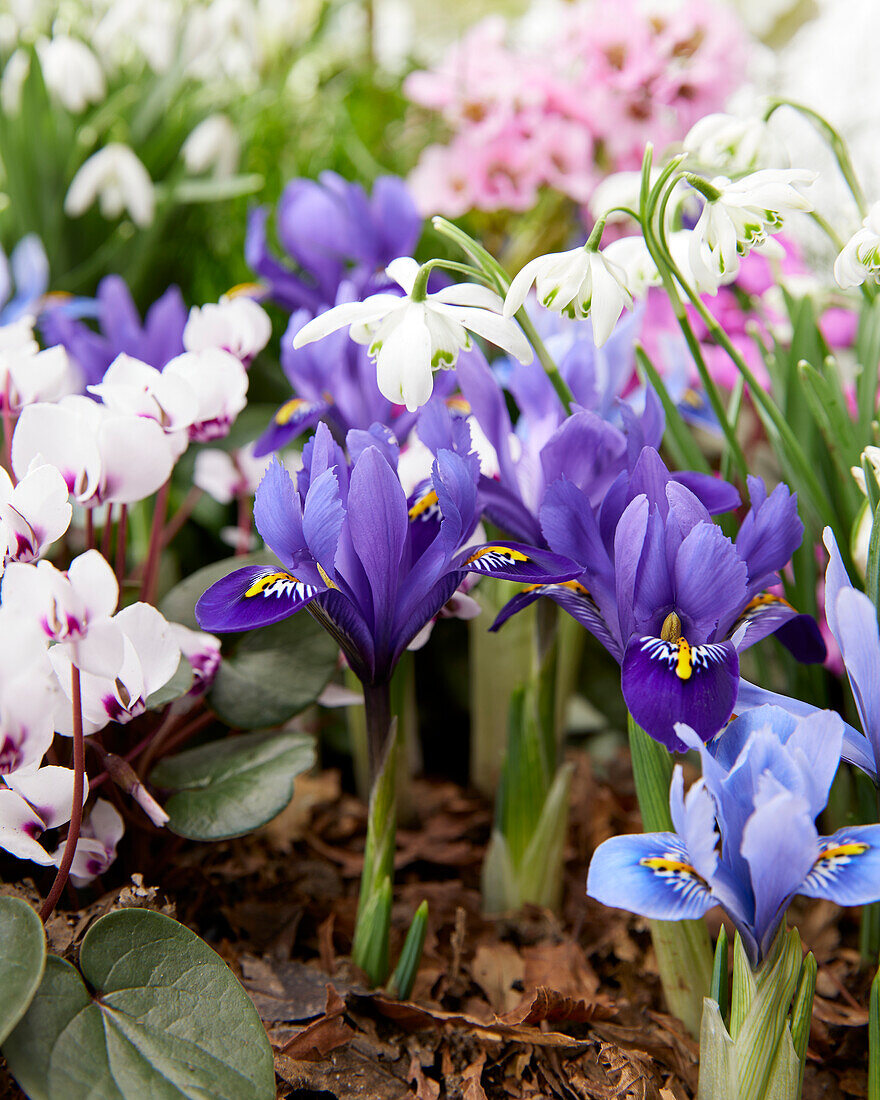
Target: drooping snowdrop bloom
<point>150,657</point>
<point>226,475</point>
<point>202,652</point>
<point>860,257</point>
<point>740,216</point>
<point>155,341</point>
<point>33,513</point>
<point>28,374</point>
<point>118,181</point>
<point>220,384</point>
<point>669,595</point>
<point>765,780</point>
<point>631,255</point>
<point>74,608</point>
<point>412,336</point>
<point>28,694</point>
<point>96,845</point>
<point>133,388</point>
<point>104,457</point>
<point>31,803</point>
<point>581,282</point>
<point>236,324</point>
<point>735,144</point>
<point>72,73</point>
<point>214,146</point>
<point>374,566</point>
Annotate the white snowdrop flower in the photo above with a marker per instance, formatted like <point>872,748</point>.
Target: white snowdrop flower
<point>734,144</point>
<point>579,283</point>
<point>213,146</point>
<point>632,256</point>
<point>860,257</point>
<point>72,73</point>
<point>15,73</point>
<point>118,181</point>
<point>412,336</point>
<point>134,30</point>
<point>617,189</point>
<point>236,324</point>
<point>740,216</point>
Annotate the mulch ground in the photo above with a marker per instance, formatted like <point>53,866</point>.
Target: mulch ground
<point>528,1005</point>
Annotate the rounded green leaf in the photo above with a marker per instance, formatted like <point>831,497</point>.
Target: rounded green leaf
<point>274,673</point>
<point>167,1020</point>
<point>228,788</point>
<point>22,960</point>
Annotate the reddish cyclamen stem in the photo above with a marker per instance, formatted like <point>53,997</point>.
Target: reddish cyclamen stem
<point>151,568</point>
<point>79,771</point>
<point>121,536</point>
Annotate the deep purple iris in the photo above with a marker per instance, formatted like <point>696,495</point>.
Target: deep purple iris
<point>334,232</point>
<point>669,595</point>
<point>375,566</point>
<point>155,341</point>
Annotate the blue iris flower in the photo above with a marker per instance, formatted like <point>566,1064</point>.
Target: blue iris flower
<point>156,340</point>
<point>764,782</point>
<point>374,566</point>
<point>668,594</point>
<point>24,279</point>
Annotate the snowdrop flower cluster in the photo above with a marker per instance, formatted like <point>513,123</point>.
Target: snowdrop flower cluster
<point>735,144</point>
<point>213,146</point>
<point>859,260</point>
<point>72,73</point>
<point>591,82</point>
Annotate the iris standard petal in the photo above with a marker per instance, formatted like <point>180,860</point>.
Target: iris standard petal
<point>252,597</point>
<point>860,644</point>
<point>651,875</point>
<point>710,578</point>
<point>323,516</point>
<point>668,682</point>
<point>278,513</point>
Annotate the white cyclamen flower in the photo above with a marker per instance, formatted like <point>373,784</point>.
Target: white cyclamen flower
<point>741,216</point>
<point>236,324</point>
<point>33,513</point>
<point>212,146</point>
<point>71,71</point>
<point>410,339</point>
<point>50,790</point>
<point>27,373</point>
<point>118,181</point>
<point>860,257</point>
<point>95,845</point>
<point>735,144</point>
<point>579,283</point>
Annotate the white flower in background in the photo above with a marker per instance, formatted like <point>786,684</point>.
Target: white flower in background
<point>96,844</point>
<point>134,388</point>
<point>150,657</point>
<point>860,257</point>
<point>71,71</point>
<point>225,475</point>
<point>741,216</point>
<point>734,144</point>
<point>31,803</point>
<point>213,146</point>
<point>202,652</point>
<point>631,255</point>
<point>134,30</point>
<point>15,73</point>
<point>118,181</point>
<point>104,457</point>
<point>29,694</point>
<point>220,384</point>
<point>410,339</point>
<point>236,324</point>
<point>74,610</point>
<point>30,374</point>
<point>220,43</point>
<point>617,189</point>
<point>33,513</point>
<point>579,283</point>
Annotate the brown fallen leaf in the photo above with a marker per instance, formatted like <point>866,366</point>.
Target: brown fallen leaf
<point>284,991</point>
<point>546,1004</point>
<point>322,1036</point>
<point>495,967</point>
<point>426,1087</point>
<point>471,1086</point>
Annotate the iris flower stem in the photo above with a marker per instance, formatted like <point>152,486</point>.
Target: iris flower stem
<point>377,705</point>
<point>683,948</point>
<point>79,771</point>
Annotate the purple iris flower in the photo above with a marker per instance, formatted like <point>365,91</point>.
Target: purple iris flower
<point>334,232</point>
<point>156,340</point>
<point>24,279</point>
<point>334,380</point>
<point>852,619</point>
<point>373,566</point>
<point>764,782</point>
<point>669,595</point>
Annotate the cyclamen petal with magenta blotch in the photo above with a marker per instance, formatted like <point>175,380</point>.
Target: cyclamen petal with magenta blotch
<point>651,875</point>
<point>252,597</point>
<point>668,682</point>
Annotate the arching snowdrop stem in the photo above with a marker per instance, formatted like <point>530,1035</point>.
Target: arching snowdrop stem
<point>79,771</point>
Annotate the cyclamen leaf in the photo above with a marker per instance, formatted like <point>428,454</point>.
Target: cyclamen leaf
<point>228,788</point>
<point>168,1020</point>
<point>22,960</point>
